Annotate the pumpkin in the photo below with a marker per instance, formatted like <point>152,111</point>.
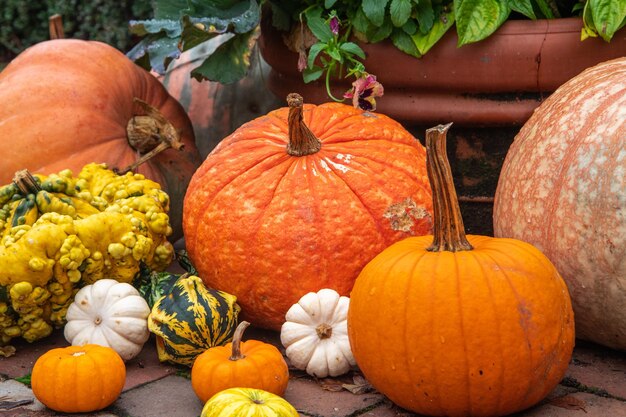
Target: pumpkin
<point>78,379</point>
<point>69,102</point>
<point>315,334</point>
<point>251,364</point>
<point>250,402</point>
<point>563,188</point>
<point>456,325</point>
<point>301,199</point>
<point>62,231</point>
<point>190,319</point>
<point>109,313</point>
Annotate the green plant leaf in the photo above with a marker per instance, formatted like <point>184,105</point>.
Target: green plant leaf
<point>155,51</point>
<point>360,22</point>
<point>353,49</point>
<point>195,34</point>
<point>404,42</point>
<point>319,27</point>
<point>545,9</point>
<point>230,61</point>
<point>400,11</point>
<point>425,15</point>
<point>608,16</point>
<point>328,4</point>
<point>280,18</point>
<point>312,74</point>
<point>24,379</point>
<point>314,51</point>
<point>169,9</point>
<point>424,42</point>
<point>379,33</point>
<point>477,19</point>
<point>524,7</point>
<point>375,11</point>
<point>238,19</point>
<point>170,28</point>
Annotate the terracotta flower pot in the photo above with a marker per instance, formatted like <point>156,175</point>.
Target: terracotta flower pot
<point>478,84</point>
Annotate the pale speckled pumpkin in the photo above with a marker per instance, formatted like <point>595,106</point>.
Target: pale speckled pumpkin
<point>563,189</point>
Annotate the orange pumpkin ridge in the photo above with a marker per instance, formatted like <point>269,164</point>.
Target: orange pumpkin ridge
<point>79,111</point>
<point>269,227</point>
<point>455,325</point>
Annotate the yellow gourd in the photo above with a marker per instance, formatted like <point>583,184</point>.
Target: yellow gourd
<point>61,231</point>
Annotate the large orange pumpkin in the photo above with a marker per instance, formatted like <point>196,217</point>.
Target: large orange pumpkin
<point>279,209</point>
<point>456,325</point>
<point>68,102</point>
<point>563,189</point>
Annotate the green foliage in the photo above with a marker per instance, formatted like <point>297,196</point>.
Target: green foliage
<point>414,27</point>
<point>24,23</point>
<point>180,25</point>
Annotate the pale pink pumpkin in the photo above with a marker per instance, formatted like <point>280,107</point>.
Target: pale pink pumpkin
<point>563,189</point>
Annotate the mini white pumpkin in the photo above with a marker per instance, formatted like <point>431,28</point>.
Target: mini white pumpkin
<point>109,313</point>
<point>315,334</point>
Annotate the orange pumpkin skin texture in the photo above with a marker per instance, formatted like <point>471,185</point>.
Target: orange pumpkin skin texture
<point>67,102</point>
<point>563,188</point>
<point>268,226</point>
<point>486,331</point>
<point>78,379</point>
<point>255,364</point>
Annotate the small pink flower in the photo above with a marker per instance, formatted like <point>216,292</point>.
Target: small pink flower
<point>302,61</point>
<point>334,25</point>
<point>364,92</point>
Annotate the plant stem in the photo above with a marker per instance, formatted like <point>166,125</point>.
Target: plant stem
<point>236,345</point>
<point>448,229</point>
<point>301,140</point>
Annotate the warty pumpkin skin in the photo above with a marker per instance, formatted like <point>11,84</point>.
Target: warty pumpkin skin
<point>449,326</point>
<point>67,103</point>
<point>269,217</point>
<point>78,379</point>
<point>563,188</point>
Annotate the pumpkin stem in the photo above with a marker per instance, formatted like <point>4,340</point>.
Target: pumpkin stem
<point>55,27</point>
<point>448,229</point>
<point>236,349</point>
<point>150,134</point>
<point>324,331</point>
<point>26,182</point>
<point>301,140</point>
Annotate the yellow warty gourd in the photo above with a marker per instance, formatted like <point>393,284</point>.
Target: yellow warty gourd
<point>61,232</point>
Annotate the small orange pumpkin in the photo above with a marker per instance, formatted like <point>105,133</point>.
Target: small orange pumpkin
<point>301,199</point>
<point>250,364</point>
<point>78,379</point>
<point>460,325</point>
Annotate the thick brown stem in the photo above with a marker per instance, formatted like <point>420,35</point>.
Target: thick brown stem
<point>26,183</point>
<point>150,134</point>
<point>448,229</point>
<point>301,140</point>
<point>55,26</point>
<point>236,349</point>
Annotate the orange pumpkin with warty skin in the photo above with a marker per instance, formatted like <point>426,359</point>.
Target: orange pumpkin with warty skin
<point>301,199</point>
<point>78,379</point>
<point>455,325</point>
<point>69,102</point>
<point>249,364</point>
